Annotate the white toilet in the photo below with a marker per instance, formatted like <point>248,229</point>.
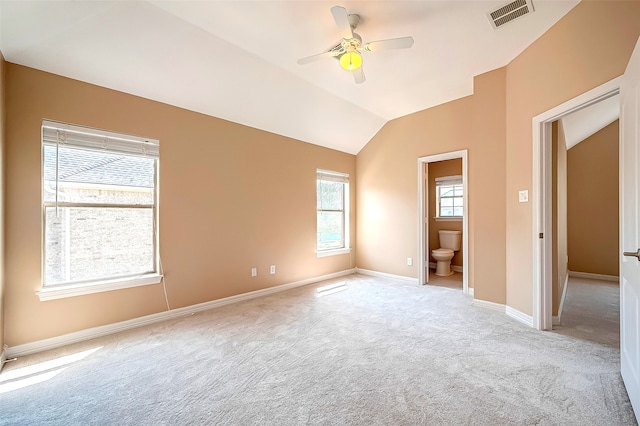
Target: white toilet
<point>449,244</point>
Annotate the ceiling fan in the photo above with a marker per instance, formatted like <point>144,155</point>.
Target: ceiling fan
<point>349,49</point>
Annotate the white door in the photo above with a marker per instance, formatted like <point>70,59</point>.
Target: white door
<point>630,229</point>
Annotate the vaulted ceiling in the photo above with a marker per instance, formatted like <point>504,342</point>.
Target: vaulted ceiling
<point>581,124</point>
<point>237,59</point>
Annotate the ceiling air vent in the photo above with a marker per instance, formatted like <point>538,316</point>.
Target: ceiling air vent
<point>509,12</point>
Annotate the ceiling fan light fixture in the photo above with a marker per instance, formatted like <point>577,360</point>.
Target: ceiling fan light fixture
<point>351,61</point>
<point>349,49</point>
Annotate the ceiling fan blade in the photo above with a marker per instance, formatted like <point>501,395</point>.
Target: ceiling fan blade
<point>341,17</point>
<point>358,76</point>
<point>394,43</point>
<point>309,59</point>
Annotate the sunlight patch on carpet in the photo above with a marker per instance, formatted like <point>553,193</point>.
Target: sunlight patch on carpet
<point>331,288</point>
<point>26,376</point>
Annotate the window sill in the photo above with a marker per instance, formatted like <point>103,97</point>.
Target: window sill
<point>326,253</point>
<point>72,290</point>
<point>448,219</point>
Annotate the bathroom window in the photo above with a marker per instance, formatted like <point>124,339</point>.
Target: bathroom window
<point>332,194</point>
<point>449,197</point>
<point>99,210</point>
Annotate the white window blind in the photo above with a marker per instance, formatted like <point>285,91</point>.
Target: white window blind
<point>329,176</point>
<point>62,134</point>
<point>448,180</point>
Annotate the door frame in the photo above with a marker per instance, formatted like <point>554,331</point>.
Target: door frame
<point>423,208</point>
<point>541,193</point>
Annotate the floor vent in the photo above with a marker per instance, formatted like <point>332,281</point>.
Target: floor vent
<point>510,12</point>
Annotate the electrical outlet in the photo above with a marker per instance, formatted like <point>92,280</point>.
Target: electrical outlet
<point>272,269</point>
<point>254,272</point>
<point>409,261</point>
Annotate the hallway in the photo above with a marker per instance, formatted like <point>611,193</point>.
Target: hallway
<point>591,311</point>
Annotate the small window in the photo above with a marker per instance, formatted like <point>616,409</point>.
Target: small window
<point>333,212</point>
<point>99,206</point>
<point>449,197</point>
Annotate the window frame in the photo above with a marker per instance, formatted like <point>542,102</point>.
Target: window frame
<point>343,178</point>
<point>105,283</point>
<point>454,181</point>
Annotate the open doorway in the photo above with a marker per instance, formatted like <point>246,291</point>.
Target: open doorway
<point>549,263</point>
<point>450,170</point>
<point>585,223</point>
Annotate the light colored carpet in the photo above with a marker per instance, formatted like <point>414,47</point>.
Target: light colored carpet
<point>379,353</point>
<point>592,311</point>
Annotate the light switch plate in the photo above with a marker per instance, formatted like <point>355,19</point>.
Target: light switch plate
<point>523,196</point>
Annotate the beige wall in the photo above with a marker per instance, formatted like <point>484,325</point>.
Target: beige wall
<point>387,200</point>
<point>440,169</point>
<point>2,205</point>
<point>559,215</point>
<point>588,47</point>
<point>231,198</point>
<point>593,203</point>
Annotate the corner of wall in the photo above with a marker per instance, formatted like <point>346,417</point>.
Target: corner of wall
<point>2,139</point>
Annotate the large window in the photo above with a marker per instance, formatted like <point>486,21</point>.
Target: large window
<point>99,206</point>
<point>333,212</point>
<point>449,197</point>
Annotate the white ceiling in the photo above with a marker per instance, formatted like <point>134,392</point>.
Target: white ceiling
<point>583,123</point>
<point>237,59</point>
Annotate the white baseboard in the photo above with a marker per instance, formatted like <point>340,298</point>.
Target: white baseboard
<point>519,316</point>
<point>471,291</point>
<point>489,305</point>
<point>508,310</point>
<point>432,265</point>
<point>588,275</point>
<point>92,333</point>
<point>385,275</point>
<point>555,320</point>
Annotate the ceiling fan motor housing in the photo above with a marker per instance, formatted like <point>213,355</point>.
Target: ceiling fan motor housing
<point>354,20</point>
